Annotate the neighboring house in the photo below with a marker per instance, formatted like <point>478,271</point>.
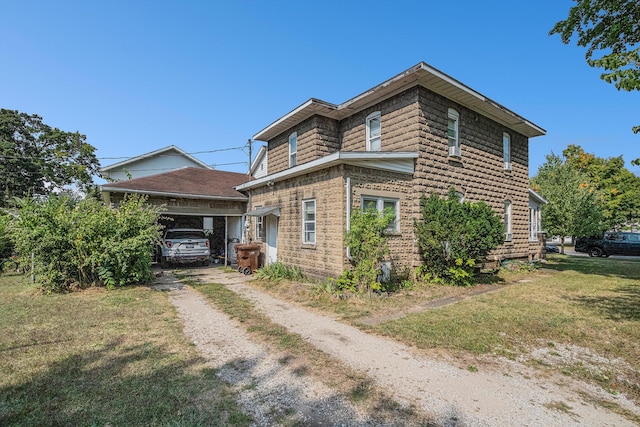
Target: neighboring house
<point>419,132</point>
<point>537,237</point>
<point>192,198</point>
<point>159,161</point>
<point>259,164</point>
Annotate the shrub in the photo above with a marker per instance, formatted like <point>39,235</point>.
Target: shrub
<point>453,236</point>
<point>85,242</point>
<point>6,245</point>
<point>367,241</point>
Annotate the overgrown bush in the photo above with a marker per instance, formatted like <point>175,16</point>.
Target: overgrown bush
<point>85,242</point>
<point>367,242</point>
<point>6,245</point>
<point>454,236</point>
<point>279,271</point>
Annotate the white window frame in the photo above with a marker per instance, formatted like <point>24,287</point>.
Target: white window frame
<point>379,201</point>
<point>309,224</point>
<point>453,133</point>
<point>259,230</point>
<point>535,223</point>
<point>293,149</point>
<point>507,220</point>
<point>506,150</point>
<point>374,141</point>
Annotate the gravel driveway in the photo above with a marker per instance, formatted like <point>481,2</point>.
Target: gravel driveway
<point>271,392</point>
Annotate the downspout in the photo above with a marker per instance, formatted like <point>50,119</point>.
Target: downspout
<point>348,210</point>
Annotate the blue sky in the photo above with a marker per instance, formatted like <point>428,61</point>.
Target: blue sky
<point>137,76</point>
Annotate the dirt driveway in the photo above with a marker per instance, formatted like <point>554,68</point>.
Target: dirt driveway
<point>454,396</point>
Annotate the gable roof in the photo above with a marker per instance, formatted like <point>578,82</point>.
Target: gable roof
<point>256,162</point>
<point>421,74</point>
<point>192,183</point>
<point>166,151</point>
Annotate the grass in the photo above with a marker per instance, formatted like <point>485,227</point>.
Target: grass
<point>582,314</point>
<point>306,360</point>
<point>101,357</point>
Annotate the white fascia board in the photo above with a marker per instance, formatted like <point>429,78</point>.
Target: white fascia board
<point>537,197</point>
<point>307,109</point>
<point>165,194</point>
<point>152,154</point>
<point>347,157</point>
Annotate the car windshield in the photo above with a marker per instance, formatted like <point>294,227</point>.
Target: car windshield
<point>185,234</point>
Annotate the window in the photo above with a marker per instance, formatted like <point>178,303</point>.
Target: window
<point>373,131</point>
<point>293,149</point>
<point>535,223</point>
<point>452,133</point>
<point>259,228</point>
<point>506,150</point>
<point>507,220</point>
<point>382,203</point>
<point>309,221</point>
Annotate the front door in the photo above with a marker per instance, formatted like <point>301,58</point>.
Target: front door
<point>271,229</point>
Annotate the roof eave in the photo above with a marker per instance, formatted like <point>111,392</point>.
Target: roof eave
<point>169,194</point>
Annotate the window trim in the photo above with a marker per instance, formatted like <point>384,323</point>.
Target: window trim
<point>293,154</point>
<point>535,223</point>
<point>506,150</point>
<point>305,222</point>
<point>394,227</point>
<point>453,142</point>
<point>508,220</point>
<point>369,137</point>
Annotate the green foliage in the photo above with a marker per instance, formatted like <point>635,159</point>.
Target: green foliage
<point>367,242</point>
<point>38,159</point>
<point>279,271</point>
<point>6,245</point>
<point>611,26</point>
<point>575,206</point>
<point>454,236</point>
<point>619,188</point>
<point>84,242</point>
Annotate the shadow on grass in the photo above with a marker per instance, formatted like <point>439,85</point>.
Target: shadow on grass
<point>627,268</point>
<point>624,305</point>
<point>115,386</point>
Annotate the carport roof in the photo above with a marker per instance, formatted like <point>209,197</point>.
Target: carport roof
<point>195,183</point>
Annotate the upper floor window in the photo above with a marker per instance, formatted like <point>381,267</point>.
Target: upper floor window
<point>381,204</point>
<point>309,221</point>
<point>373,132</point>
<point>293,149</point>
<point>506,150</point>
<point>507,220</point>
<point>452,132</point>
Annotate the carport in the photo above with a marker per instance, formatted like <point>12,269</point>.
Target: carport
<point>192,198</point>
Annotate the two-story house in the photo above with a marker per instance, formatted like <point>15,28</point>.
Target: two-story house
<point>419,132</point>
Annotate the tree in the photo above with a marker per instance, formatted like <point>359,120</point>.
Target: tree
<point>454,235</point>
<point>36,159</point>
<point>611,26</point>
<point>574,205</point>
<point>619,187</point>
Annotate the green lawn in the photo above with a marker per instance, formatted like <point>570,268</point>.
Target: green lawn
<point>100,358</point>
<point>590,303</point>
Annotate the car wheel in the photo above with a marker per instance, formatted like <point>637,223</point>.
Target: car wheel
<point>164,263</point>
<point>595,252</point>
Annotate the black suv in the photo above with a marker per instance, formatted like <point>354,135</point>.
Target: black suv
<point>613,243</point>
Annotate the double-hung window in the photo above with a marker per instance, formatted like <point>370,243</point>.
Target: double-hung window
<point>535,223</point>
<point>507,220</point>
<point>259,228</point>
<point>373,132</point>
<point>506,150</point>
<point>382,204</point>
<point>453,133</point>
<point>293,149</point>
<point>309,221</point>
